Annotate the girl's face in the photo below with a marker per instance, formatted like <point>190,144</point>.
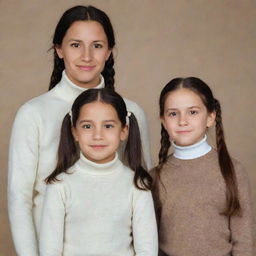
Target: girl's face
<point>84,50</point>
<point>186,117</point>
<point>99,131</point>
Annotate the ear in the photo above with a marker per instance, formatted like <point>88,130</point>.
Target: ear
<point>124,133</point>
<point>163,122</point>
<point>74,133</point>
<point>59,51</point>
<point>108,54</point>
<point>211,119</point>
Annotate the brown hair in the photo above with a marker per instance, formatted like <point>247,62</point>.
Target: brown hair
<point>225,162</point>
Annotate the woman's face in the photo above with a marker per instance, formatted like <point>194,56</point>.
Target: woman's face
<point>84,50</point>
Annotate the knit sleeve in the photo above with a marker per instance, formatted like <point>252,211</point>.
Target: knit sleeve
<point>144,131</point>
<point>241,226</point>
<point>22,168</point>
<point>52,221</point>
<point>145,238</point>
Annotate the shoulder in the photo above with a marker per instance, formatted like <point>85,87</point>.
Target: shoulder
<point>36,104</point>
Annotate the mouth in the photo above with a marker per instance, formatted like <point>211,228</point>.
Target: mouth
<point>86,68</point>
<point>183,132</point>
<point>98,146</point>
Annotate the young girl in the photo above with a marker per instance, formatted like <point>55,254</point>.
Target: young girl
<point>201,194</point>
<point>95,205</point>
<point>82,44</point>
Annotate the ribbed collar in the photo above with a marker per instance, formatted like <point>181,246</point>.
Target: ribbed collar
<point>85,165</point>
<point>191,152</point>
<point>69,91</point>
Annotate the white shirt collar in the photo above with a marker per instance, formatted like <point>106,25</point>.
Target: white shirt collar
<point>194,151</point>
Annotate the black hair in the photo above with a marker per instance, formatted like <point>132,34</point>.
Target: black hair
<point>212,105</point>
<point>68,152</point>
<point>83,13</point>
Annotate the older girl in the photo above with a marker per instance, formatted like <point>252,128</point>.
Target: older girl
<point>202,194</point>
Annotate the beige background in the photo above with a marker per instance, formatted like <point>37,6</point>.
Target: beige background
<point>156,40</point>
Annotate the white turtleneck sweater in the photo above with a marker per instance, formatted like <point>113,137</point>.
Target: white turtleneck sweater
<point>194,151</point>
<point>32,157</point>
<point>95,209</point>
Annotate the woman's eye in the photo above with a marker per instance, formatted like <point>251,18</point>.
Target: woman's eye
<point>75,45</point>
<point>97,46</point>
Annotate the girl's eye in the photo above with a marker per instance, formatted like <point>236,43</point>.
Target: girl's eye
<point>108,126</point>
<point>86,126</point>
<point>172,114</point>
<point>193,112</point>
<point>75,45</point>
<point>97,46</point>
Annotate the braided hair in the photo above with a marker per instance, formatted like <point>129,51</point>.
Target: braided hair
<point>233,206</point>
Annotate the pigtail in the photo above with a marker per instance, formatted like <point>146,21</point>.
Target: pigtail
<point>133,153</point>
<point>109,73</point>
<point>57,70</point>
<point>226,166</point>
<point>68,152</point>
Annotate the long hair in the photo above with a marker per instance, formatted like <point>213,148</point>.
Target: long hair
<point>68,151</point>
<point>225,162</point>
<point>82,13</point>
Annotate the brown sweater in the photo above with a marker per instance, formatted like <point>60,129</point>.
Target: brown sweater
<point>189,210</point>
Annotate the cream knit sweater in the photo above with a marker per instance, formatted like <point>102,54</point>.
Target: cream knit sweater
<point>190,223</point>
<point>32,157</point>
<point>96,210</point>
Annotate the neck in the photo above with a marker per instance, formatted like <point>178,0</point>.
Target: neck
<point>100,85</point>
<point>91,167</point>
<point>191,152</point>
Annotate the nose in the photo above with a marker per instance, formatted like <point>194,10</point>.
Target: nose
<point>98,133</point>
<point>86,54</point>
<point>183,120</point>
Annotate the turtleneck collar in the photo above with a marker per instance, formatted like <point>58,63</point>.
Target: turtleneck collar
<point>191,152</point>
<point>70,91</point>
<point>85,165</point>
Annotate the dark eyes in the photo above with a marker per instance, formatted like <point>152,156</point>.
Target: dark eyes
<point>96,45</point>
<point>89,126</point>
<point>75,45</point>
<point>86,126</point>
<point>172,114</point>
<point>108,126</point>
<point>191,112</point>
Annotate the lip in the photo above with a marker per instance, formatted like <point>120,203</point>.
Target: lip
<point>183,132</point>
<point>97,146</point>
<point>86,68</point>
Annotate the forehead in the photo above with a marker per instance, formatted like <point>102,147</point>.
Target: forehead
<point>183,97</point>
<point>86,29</point>
<point>98,111</point>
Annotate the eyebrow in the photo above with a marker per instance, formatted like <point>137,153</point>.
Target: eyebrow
<point>91,121</point>
<point>78,40</point>
<point>188,108</point>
